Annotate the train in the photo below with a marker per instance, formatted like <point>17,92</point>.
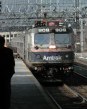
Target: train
<point>47,48</point>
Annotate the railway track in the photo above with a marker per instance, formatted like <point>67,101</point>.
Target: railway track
<point>71,95</point>
<point>66,98</point>
<point>81,85</point>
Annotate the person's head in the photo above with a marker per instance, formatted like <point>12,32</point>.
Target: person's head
<point>2,41</point>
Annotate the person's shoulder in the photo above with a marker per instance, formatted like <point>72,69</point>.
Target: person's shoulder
<point>8,49</point>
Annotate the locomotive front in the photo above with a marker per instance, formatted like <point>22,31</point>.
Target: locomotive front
<point>52,51</point>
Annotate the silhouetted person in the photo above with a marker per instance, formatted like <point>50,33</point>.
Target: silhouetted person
<point>7,64</point>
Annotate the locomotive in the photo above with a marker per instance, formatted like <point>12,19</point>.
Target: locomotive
<point>47,48</point>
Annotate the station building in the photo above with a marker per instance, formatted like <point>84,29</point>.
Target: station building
<point>9,36</point>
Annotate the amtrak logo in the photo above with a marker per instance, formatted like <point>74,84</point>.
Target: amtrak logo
<point>52,58</point>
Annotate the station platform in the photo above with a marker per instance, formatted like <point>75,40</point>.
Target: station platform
<point>27,93</point>
<point>81,58</point>
<point>81,55</point>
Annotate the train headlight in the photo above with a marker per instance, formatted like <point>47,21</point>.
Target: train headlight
<point>52,46</point>
<point>70,68</point>
<point>69,25</point>
<point>66,56</point>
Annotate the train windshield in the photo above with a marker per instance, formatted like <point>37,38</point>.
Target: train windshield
<point>42,39</point>
<point>62,38</point>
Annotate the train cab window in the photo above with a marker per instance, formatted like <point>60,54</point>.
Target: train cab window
<point>62,39</point>
<point>42,39</point>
